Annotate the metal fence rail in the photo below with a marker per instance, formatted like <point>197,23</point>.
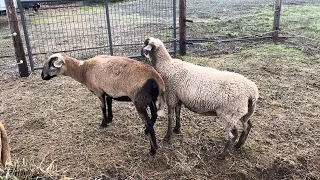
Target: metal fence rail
<point>83,31</point>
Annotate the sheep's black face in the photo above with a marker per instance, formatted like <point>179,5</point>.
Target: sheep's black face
<point>51,68</point>
<point>149,53</point>
<point>144,51</point>
<point>150,49</point>
<point>47,77</point>
<point>147,49</point>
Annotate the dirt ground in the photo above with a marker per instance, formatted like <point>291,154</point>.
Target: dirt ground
<point>58,121</point>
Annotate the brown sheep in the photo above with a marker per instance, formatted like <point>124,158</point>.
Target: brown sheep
<point>5,148</point>
<point>118,78</point>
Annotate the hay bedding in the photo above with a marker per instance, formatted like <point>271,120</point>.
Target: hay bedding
<point>58,122</point>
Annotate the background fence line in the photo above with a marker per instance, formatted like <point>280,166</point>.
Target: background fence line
<point>81,30</point>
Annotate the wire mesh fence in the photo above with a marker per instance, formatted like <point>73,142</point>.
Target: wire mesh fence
<point>82,30</point>
<point>6,45</point>
<point>68,27</point>
<point>133,21</point>
<point>301,18</point>
<point>8,65</point>
<point>216,19</point>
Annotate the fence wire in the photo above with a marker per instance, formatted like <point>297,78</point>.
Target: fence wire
<point>216,19</point>
<point>6,45</point>
<point>132,22</point>
<point>8,65</point>
<point>81,30</point>
<point>68,27</point>
<point>301,18</point>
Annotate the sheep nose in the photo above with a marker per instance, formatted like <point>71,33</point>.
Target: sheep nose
<point>42,76</point>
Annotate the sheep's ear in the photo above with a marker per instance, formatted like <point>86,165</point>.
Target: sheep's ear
<point>148,47</point>
<point>58,63</point>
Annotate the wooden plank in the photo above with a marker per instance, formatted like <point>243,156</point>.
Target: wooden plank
<point>16,38</point>
<point>182,27</point>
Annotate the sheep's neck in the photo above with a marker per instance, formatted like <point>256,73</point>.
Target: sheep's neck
<point>162,54</point>
<point>75,70</point>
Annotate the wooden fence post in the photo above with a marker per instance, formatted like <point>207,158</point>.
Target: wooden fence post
<point>182,27</point>
<point>16,38</point>
<point>276,21</point>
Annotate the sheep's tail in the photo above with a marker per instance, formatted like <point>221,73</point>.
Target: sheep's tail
<point>161,101</point>
<point>5,148</point>
<point>252,104</point>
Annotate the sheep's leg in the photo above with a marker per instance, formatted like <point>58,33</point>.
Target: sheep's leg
<point>153,110</point>
<point>142,100</point>
<point>246,129</point>
<point>246,124</point>
<point>178,124</point>
<point>149,128</point>
<point>103,109</point>
<point>110,115</point>
<point>232,136</point>
<point>170,118</point>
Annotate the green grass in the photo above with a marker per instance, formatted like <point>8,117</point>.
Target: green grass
<point>4,33</point>
<point>302,20</point>
<point>41,20</point>
<point>81,11</point>
<point>269,50</point>
<point>204,61</point>
<point>132,17</point>
<point>297,19</point>
<point>93,9</point>
<point>258,22</point>
<point>274,50</point>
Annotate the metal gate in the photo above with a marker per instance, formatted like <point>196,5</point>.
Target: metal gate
<point>82,29</point>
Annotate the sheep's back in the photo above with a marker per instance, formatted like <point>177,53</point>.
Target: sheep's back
<point>119,76</point>
<point>204,89</point>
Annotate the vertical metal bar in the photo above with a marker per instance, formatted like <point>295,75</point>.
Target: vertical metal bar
<point>175,26</point>
<point>109,28</point>
<point>276,21</point>
<point>26,35</point>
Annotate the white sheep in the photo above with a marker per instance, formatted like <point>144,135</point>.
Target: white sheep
<point>227,95</point>
<point>115,77</point>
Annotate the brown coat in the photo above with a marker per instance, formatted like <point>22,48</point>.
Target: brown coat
<point>5,148</point>
<point>116,76</point>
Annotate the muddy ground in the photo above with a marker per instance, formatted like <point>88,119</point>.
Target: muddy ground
<point>58,121</point>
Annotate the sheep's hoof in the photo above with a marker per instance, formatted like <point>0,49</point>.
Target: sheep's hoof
<point>152,152</point>
<point>221,156</point>
<point>104,124</point>
<point>146,132</point>
<point>177,130</point>
<point>167,138</point>
<point>237,146</point>
<point>109,120</point>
